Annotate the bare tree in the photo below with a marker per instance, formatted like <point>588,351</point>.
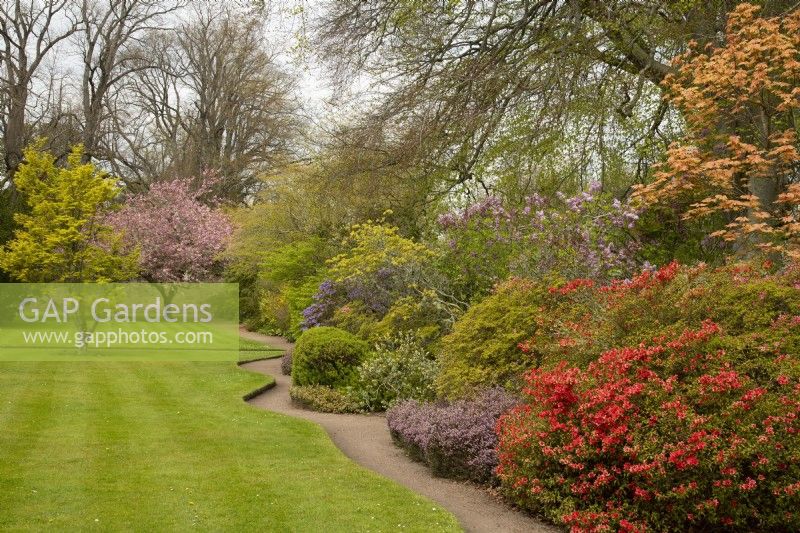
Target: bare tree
<point>112,49</point>
<point>29,32</point>
<point>147,115</point>
<point>217,101</point>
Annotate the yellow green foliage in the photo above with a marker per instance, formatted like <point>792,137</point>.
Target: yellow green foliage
<point>354,317</point>
<point>427,316</point>
<point>327,356</point>
<point>324,399</point>
<point>62,237</point>
<point>373,247</point>
<point>482,350</point>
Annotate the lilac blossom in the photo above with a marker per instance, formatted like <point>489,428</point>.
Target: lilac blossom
<point>588,235</point>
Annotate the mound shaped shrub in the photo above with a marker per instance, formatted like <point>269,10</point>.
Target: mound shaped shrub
<point>690,432</point>
<point>482,349</point>
<point>400,369</point>
<point>455,439</point>
<point>327,356</point>
<point>581,319</point>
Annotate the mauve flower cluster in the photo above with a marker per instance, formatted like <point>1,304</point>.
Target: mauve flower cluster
<point>286,363</point>
<point>324,304</point>
<point>587,236</point>
<point>179,236</point>
<point>376,293</point>
<point>455,439</point>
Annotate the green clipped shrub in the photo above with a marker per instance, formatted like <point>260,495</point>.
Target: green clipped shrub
<point>482,349</point>
<point>400,369</point>
<point>327,356</point>
<point>324,399</point>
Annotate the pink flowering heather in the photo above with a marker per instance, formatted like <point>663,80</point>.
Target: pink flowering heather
<point>455,439</point>
<point>180,237</point>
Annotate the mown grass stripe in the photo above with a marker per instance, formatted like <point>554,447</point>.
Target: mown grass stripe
<point>171,446</point>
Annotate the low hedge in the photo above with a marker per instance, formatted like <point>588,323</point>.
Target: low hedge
<point>324,399</point>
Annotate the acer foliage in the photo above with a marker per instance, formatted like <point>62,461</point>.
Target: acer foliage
<point>740,156</point>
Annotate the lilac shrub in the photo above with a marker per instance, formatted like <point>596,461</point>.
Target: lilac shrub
<point>455,439</point>
<point>585,236</point>
<point>326,300</point>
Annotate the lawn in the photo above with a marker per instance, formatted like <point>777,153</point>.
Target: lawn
<point>171,446</point>
<point>250,350</point>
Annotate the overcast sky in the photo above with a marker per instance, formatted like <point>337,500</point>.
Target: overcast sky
<point>288,25</point>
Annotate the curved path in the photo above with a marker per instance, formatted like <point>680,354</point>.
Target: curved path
<point>366,440</point>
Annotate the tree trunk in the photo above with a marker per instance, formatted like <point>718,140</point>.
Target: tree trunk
<point>767,191</point>
<point>15,135</point>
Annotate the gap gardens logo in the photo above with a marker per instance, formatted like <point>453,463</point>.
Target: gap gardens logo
<point>119,321</point>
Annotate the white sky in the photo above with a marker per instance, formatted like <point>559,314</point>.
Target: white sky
<point>287,27</point>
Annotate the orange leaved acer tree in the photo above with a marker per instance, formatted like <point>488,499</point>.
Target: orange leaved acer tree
<point>739,159</point>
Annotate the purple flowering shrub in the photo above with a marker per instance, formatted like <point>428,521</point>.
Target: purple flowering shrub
<point>373,297</point>
<point>455,439</point>
<point>377,268</point>
<point>584,236</point>
<point>326,300</point>
<point>286,363</point>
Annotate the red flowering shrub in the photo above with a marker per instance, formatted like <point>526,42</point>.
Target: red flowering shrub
<point>523,325</point>
<point>676,434</point>
<point>581,320</point>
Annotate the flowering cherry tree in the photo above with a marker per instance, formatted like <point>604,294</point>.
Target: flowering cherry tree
<point>179,236</point>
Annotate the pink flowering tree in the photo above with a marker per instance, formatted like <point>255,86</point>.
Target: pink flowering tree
<point>179,230</point>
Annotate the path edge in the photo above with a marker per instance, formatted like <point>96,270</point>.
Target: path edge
<point>260,390</point>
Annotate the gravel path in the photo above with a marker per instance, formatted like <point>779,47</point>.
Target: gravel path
<point>366,440</point>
